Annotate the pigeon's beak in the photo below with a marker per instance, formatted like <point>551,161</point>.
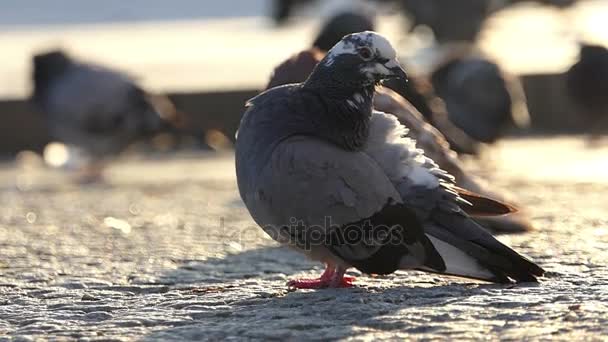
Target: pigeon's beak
<point>395,69</point>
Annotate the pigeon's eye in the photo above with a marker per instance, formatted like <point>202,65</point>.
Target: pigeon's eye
<point>365,53</point>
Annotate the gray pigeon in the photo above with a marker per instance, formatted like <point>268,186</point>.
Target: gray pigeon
<point>321,171</point>
<point>480,98</point>
<point>98,110</point>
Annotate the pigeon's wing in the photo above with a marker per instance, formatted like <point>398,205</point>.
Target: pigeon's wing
<point>318,197</point>
<point>437,148</point>
<point>467,248</point>
<point>84,90</point>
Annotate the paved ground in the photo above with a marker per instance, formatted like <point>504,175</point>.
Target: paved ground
<point>166,250</point>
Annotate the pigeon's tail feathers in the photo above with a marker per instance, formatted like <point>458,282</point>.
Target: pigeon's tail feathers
<point>172,118</point>
<point>459,263</point>
<point>484,206</point>
<point>470,251</point>
<point>397,242</point>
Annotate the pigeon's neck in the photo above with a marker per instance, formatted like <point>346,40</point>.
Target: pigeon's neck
<point>336,89</point>
<point>348,108</point>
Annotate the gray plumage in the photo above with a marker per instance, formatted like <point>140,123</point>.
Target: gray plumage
<point>99,110</point>
<point>316,151</point>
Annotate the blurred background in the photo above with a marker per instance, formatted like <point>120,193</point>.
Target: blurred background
<point>211,56</point>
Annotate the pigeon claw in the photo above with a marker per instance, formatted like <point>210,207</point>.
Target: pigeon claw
<point>347,281</point>
<point>332,277</point>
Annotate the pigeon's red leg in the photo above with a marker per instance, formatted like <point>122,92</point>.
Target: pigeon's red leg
<point>340,280</point>
<point>320,283</point>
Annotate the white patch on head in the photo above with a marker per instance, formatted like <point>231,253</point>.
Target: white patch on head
<point>349,45</point>
<point>383,47</point>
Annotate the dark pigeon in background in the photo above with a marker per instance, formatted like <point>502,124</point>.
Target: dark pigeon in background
<point>479,98</point>
<point>587,85</point>
<point>341,25</point>
<point>98,110</point>
<point>315,163</point>
<point>450,21</point>
<point>420,93</point>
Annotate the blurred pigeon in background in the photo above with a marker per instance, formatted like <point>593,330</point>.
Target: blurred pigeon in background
<point>283,9</point>
<point>297,69</point>
<point>462,20</point>
<point>321,171</point>
<point>97,110</point>
<point>448,19</point>
<point>587,85</point>
<point>479,98</point>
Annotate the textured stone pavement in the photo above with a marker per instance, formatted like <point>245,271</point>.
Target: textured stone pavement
<point>166,250</point>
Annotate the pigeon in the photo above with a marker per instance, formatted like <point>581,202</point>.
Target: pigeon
<point>586,83</point>
<point>297,69</point>
<point>321,171</point>
<point>479,98</point>
<point>95,109</point>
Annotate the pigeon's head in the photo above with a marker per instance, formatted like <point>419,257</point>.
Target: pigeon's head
<point>364,58</point>
<point>341,25</point>
<point>589,51</point>
<point>48,66</point>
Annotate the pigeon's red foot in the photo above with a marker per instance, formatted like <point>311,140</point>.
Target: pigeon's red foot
<point>331,278</point>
